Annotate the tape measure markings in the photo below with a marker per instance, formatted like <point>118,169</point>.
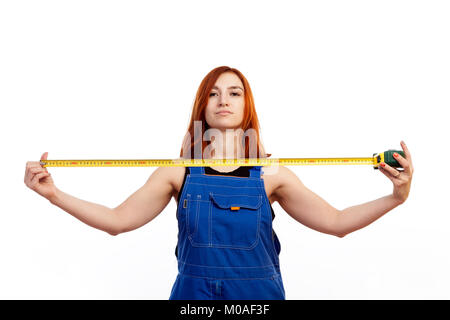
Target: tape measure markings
<point>206,162</point>
<point>375,160</point>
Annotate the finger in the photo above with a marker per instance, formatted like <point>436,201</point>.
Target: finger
<point>403,162</point>
<point>37,162</point>
<point>44,157</point>
<point>27,178</point>
<point>34,167</point>
<point>406,150</point>
<point>387,174</point>
<point>36,170</point>
<point>38,177</point>
<point>390,170</point>
<point>32,164</point>
<point>28,174</point>
<point>407,154</point>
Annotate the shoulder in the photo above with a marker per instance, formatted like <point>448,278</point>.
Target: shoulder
<point>174,176</point>
<point>278,174</point>
<point>171,175</point>
<point>279,177</point>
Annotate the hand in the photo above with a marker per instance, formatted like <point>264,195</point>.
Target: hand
<point>400,179</point>
<point>38,179</point>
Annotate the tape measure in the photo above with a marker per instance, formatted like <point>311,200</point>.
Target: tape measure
<point>386,157</point>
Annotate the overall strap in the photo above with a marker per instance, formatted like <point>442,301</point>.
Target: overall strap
<point>255,172</point>
<point>197,170</point>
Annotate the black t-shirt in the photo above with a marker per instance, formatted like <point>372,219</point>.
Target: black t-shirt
<point>243,171</point>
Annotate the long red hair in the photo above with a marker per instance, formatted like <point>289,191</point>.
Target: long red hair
<point>250,120</point>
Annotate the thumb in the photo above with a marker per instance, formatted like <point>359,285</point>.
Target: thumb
<point>44,157</point>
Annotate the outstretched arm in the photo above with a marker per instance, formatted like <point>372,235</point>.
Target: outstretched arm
<point>137,210</point>
<point>357,217</point>
<point>311,210</point>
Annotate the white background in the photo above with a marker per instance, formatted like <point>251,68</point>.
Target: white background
<point>117,80</point>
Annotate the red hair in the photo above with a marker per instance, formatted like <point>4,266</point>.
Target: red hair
<point>250,120</point>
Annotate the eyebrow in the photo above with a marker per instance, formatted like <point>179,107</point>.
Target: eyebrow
<point>232,87</point>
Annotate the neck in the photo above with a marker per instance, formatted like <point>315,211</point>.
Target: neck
<point>228,146</point>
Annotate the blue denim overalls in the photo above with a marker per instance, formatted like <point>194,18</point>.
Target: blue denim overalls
<point>226,247</point>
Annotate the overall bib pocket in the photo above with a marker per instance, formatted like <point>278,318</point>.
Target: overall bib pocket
<point>224,221</point>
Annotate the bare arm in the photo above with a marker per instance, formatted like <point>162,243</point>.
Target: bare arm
<point>138,209</point>
<point>147,202</point>
<point>311,210</point>
<point>304,205</point>
<point>38,179</point>
<point>94,215</point>
<point>357,217</point>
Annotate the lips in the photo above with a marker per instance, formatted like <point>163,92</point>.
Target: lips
<point>223,112</point>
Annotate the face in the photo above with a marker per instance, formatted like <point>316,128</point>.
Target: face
<point>225,109</point>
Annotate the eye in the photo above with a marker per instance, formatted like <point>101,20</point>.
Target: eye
<point>233,94</point>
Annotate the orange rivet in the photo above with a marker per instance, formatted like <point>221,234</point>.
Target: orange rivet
<point>235,208</point>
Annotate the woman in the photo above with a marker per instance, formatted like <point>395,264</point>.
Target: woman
<point>226,247</point>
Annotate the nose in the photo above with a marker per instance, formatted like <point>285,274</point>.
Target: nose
<point>223,100</point>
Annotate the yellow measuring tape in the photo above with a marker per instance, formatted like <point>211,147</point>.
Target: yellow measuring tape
<point>374,161</point>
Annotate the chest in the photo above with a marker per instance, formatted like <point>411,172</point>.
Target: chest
<point>269,180</point>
